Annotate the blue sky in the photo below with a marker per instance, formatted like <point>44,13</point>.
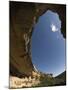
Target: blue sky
<point>48,44</point>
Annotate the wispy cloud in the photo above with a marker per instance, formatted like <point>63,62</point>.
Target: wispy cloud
<point>53,28</point>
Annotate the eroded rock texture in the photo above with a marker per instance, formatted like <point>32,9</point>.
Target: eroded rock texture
<point>23,16</point>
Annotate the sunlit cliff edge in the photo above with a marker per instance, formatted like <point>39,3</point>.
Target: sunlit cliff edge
<point>23,17</point>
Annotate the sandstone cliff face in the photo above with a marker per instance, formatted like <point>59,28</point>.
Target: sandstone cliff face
<point>23,16</point>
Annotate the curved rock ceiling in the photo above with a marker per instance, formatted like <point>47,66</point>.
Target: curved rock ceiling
<point>23,16</point>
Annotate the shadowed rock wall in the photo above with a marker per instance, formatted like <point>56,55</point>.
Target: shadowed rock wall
<point>23,16</point>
